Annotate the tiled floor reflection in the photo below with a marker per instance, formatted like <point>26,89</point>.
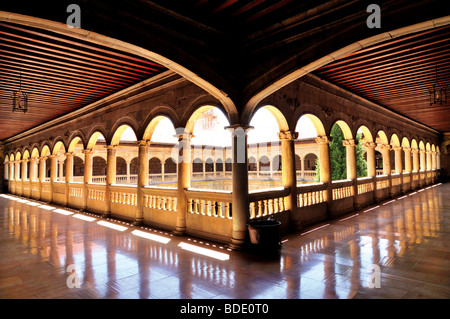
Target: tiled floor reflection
<point>406,240</point>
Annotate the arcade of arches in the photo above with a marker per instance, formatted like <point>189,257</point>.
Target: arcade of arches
<point>82,159</point>
<point>199,189</point>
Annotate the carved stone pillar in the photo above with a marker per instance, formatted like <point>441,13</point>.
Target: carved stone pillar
<point>350,148</point>
<point>240,198</point>
<point>289,177</point>
<point>69,175</point>
<point>87,176</point>
<point>325,168</point>
<point>110,177</point>
<point>184,164</point>
<point>142,180</point>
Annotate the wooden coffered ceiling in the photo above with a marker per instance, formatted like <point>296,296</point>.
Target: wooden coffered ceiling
<point>238,46</point>
<point>59,74</point>
<point>398,74</point>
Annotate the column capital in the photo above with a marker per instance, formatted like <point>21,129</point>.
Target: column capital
<point>111,147</point>
<point>422,151</point>
<point>239,128</point>
<point>384,146</point>
<point>70,154</point>
<point>34,159</point>
<point>87,152</point>
<point>53,156</point>
<point>185,136</point>
<point>397,148</point>
<point>323,139</point>
<point>349,142</point>
<point>143,143</point>
<point>407,149</point>
<point>43,158</point>
<point>288,135</point>
<point>370,144</point>
<point>414,150</point>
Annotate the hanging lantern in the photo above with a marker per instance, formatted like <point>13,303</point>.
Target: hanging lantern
<point>438,93</point>
<point>20,99</point>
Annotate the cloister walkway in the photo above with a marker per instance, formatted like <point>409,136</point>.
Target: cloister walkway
<point>404,241</point>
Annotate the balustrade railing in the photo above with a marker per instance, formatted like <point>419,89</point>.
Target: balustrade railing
<point>267,202</point>
<point>310,194</point>
<point>96,192</point>
<point>126,195</point>
<point>76,190</point>
<point>342,189</point>
<point>164,199</point>
<point>382,181</point>
<point>365,185</point>
<point>209,203</point>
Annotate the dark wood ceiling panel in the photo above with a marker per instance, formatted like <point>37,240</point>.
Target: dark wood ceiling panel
<point>60,74</point>
<point>397,75</point>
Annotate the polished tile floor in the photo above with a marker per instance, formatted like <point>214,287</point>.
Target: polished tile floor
<point>398,249</point>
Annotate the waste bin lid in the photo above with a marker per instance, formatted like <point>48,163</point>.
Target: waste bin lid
<point>264,223</point>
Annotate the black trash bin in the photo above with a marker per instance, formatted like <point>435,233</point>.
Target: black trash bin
<point>265,234</point>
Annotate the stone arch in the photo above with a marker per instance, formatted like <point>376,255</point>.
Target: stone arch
<point>278,116</point>
<point>59,145</point>
<point>134,166</point>
<point>346,130</point>
<point>45,150</point>
<point>383,137</point>
<point>121,166</point>
<point>73,143</point>
<point>93,139</point>
<point>276,163</point>
<point>118,132</point>
<point>367,134</point>
<point>154,166</point>
<point>197,165</point>
<point>197,114</point>
<point>405,142</point>
<point>252,165</point>
<point>310,161</point>
<point>35,152</point>
<point>153,124</point>
<point>170,166</point>
<point>26,154</point>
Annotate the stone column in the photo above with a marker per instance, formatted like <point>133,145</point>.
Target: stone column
<point>398,159</point>
<point>53,174</point>
<point>60,169</point>
<point>350,150</point>
<point>371,165</point>
<point>24,171</point>
<point>408,164</point>
<point>423,167</point>
<point>11,175</point>
<point>433,160</point>
<point>87,178</point>
<point>385,149</point>
<point>142,180</point>
<point>69,175</point>
<point>41,174</point>
<point>240,198</point>
<point>289,177</point>
<point>33,166</point>
<point>184,164</point>
<point>325,168</point>
<point>408,170</point>
<point>422,162</point>
<point>428,163</point>
<point>416,166</point>
<point>110,177</point>
<point>17,170</point>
